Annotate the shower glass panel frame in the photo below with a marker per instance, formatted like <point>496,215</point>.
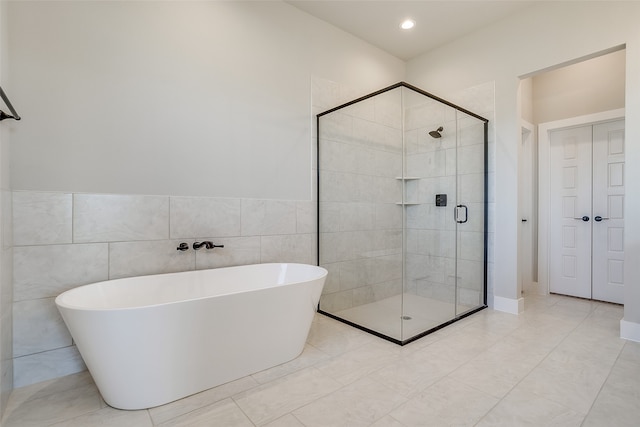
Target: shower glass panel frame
<point>402,212</point>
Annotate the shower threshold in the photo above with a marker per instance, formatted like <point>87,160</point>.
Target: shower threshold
<point>419,316</point>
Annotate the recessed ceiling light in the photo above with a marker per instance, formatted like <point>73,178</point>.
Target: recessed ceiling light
<point>408,24</point>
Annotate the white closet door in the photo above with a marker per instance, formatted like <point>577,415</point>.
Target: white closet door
<point>525,203</point>
<point>608,209</point>
<point>570,212</point>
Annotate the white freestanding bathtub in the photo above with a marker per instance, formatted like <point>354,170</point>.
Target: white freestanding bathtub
<point>151,340</point>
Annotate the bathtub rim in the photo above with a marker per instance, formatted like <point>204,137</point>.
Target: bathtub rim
<point>322,272</point>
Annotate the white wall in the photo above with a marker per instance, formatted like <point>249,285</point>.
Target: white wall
<point>579,89</point>
<point>532,40</point>
<point>177,98</point>
<point>526,99</point>
<point>6,252</point>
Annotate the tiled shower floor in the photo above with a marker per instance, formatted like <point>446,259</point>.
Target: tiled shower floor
<point>385,316</point>
<point>559,363</point>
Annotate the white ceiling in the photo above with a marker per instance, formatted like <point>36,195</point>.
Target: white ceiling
<point>437,22</point>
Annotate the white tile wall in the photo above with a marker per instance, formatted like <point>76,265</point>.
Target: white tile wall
<point>424,112</point>
<point>6,363</point>
<point>46,271</point>
<point>127,259</point>
<point>468,159</point>
<point>292,248</point>
<point>236,251</point>
<point>306,213</point>
<point>38,327</point>
<point>116,218</point>
<point>67,240</point>
<point>268,217</point>
<point>387,109</point>
<point>355,273</point>
<point>47,365</point>
<point>41,218</point>
<point>6,297</point>
<point>202,216</point>
<point>337,127</point>
<point>332,283</point>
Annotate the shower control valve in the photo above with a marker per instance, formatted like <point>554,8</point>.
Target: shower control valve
<point>183,246</point>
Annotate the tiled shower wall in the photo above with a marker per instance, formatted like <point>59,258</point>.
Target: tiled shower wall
<point>443,263</point>
<point>64,240</point>
<point>431,244</point>
<point>479,99</point>
<point>361,220</point>
<point>431,168</point>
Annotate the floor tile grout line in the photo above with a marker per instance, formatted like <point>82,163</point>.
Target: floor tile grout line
<point>281,379</point>
<point>546,357</point>
<point>239,408</point>
<point>532,369</point>
<point>603,384</point>
<point>499,400</point>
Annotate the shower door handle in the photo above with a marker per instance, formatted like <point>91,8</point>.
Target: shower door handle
<point>461,219</point>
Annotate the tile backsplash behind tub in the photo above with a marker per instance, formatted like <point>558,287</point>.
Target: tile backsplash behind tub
<point>64,240</point>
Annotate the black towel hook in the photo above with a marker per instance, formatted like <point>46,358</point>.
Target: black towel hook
<point>4,115</point>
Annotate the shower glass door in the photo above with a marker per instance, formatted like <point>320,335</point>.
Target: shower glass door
<point>430,229</point>
<point>470,233</point>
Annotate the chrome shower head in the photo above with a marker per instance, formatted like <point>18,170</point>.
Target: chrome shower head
<point>436,133</point>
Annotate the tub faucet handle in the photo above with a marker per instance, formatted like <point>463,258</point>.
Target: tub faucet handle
<point>183,246</point>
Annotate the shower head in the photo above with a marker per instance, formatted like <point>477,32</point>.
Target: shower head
<point>436,133</point>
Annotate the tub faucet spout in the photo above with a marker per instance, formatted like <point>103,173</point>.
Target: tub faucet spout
<point>207,244</point>
<point>198,245</point>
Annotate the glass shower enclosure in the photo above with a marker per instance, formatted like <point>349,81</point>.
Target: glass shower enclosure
<point>402,212</point>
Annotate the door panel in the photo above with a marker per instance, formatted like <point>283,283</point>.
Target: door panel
<point>570,235</point>
<point>469,220</point>
<point>608,203</point>
<point>526,196</point>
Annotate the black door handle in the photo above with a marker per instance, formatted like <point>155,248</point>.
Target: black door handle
<point>524,220</point>
<point>584,218</point>
<point>599,218</point>
<point>457,215</point>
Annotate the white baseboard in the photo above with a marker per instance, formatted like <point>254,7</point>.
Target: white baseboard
<point>508,305</point>
<point>630,330</point>
<point>490,301</point>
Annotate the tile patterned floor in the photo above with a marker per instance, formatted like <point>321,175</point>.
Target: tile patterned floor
<point>560,363</point>
<point>386,316</point>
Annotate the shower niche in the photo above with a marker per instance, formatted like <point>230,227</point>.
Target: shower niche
<point>402,212</point>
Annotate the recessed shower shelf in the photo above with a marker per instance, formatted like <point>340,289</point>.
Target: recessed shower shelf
<point>407,203</point>
<point>407,178</point>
